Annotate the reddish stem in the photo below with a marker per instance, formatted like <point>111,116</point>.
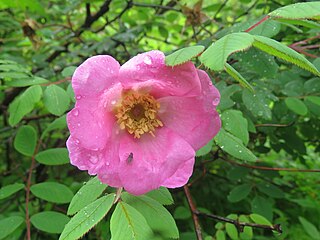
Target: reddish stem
<point>28,190</point>
<point>193,211</point>
<point>57,82</point>
<point>258,23</point>
<point>271,168</point>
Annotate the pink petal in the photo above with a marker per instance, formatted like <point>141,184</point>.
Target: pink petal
<point>154,160</point>
<point>90,123</point>
<point>150,67</point>
<point>95,75</point>
<point>194,118</point>
<point>181,176</point>
<point>103,162</point>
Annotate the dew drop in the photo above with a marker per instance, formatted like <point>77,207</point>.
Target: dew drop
<point>78,97</point>
<point>113,102</point>
<point>107,163</point>
<point>75,112</point>
<point>77,141</point>
<point>93,159</point>
<point>215,101</point>
<point>78,124</point>
<point>147,60</point>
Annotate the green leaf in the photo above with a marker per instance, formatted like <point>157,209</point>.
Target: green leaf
<point>309,228</point>
<point>231,228</point>
<point>271,190</point>
<point>239,193</point>
<point>256,218</point>
<point>68,71</point>
<point>234,122</point>
<point>308,10</point>
<point>52,192</point>
<point>296,106</point>
<point>49,221</point>
<point>237,76</point>
<point>257,104</point>
<point>313,99</point>
<point>163,224</point>
<point>162,195</point>
<point>56,100</point>
<point>58,124</point>
<point>8,225</point>
<point>237,173</point>
<point>205,149</point>
<point>87,218</point>
<point>181,212</point>
<point>247,233</point>
<point>226,94</point>
<point>128,224</point>
<point>256,62</point>
<point>281,51</point>
<point>183,55</point>
<point>220,235</point>
<point>217,54</point>
<point>24,82</point>
<point>23,104</point>
<point>233,145</point>
<point>26,140</point>
<point>54,156</point>
<point>305,23</point>
<point>86,195</point>
<point>267,28</point>
<point>262,206</point>
<point>7,191</point>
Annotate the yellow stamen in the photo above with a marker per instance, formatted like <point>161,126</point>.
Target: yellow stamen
<point>137,113</point>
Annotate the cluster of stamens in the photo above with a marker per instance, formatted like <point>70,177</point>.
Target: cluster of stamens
<point>137,113</point>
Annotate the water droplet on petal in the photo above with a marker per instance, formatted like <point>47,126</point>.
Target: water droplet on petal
<point>107,163</point>
<point>113,102</point>
<point>147,60</point>
<point>215,101</point>
<point>78,97</point>
<point>93,159</point>
<point>75,112</point>
<point>77,141</point>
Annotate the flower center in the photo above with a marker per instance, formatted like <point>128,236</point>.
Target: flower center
<point>137,113</point>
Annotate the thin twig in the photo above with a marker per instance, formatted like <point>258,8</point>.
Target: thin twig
<point>270,168</point>
<point>220,8</point>
<point>273,125</point>
<point>57,82</point>
<point>155,6</point>
<point>193,210</point>
<point>28,189</point>
<point>241,225</point>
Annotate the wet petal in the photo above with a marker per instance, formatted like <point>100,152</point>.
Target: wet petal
<point>180,80</point>
<point>95,75</point>
<point>154,159</point>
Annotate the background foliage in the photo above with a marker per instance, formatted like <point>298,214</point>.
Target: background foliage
<point>261,168</point>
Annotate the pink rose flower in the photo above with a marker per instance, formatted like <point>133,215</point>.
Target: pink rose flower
<point>138,126</point>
